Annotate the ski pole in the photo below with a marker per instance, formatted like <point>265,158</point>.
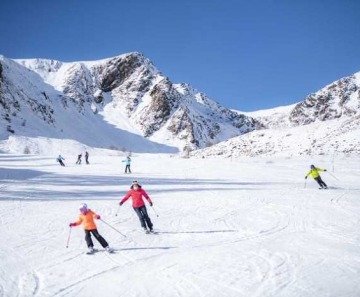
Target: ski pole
<point>333,176</point>
<point>113,228</point>
<point>117,211</point>
<point>154,211</point>
<point>305,184</point>
<point>68,240</point>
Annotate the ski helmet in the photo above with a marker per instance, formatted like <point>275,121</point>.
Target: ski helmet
<point>83,206</point>
<point>312,167</point>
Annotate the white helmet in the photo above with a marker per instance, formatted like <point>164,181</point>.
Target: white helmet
<point>83,206</point>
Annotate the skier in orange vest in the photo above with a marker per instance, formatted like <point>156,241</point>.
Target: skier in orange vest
<point>86,218</point>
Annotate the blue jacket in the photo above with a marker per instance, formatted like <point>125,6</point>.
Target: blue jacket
<point>127,161</point>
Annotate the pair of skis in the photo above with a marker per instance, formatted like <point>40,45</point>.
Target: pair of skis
<point>146,231</point>
<point>93,251</point>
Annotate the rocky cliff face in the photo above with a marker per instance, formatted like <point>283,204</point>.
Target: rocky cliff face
<point>341,98</point>
<point>326,122</point>
<point>21,97</point>
<point>147,103</point>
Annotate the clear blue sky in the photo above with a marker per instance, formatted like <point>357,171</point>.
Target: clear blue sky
<point>247,55</point>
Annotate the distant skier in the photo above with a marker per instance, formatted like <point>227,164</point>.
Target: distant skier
<point>60,160</point>
<point>86,218</point>
<point>87,157</point>
<point>314,171</point>
<point>127,163</point>
<point>79,159</point>
<point>136,193</point>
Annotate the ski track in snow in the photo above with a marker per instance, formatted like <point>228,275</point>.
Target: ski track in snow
<point>250,230</point>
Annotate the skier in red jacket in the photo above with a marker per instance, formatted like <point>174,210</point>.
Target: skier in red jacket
<point>136,193</point>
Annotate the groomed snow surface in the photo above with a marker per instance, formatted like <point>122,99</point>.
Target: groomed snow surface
<point>241,227</point>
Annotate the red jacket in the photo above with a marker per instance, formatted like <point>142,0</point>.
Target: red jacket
<point>136,195</point>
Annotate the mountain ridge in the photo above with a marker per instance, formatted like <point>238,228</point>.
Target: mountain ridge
<point>125,101</point>
<point>128,85</point>
<point>326,122</point>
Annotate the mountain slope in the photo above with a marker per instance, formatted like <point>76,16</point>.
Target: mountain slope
<point>32,107</point>
<point>122,101</point>
<point>326,122</point>
<point>339,99</point>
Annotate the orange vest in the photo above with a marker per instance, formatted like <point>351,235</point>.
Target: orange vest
<point>87,220</point>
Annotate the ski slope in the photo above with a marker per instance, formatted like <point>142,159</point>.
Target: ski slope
<point>241,227</point>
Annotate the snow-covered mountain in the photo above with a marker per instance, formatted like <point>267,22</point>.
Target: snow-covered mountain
<point>326,122</point>
<point>125,103</point>
<point>339,99</point>
<point>122,102</point>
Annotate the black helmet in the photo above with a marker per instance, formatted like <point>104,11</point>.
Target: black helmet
<point>312,167</point>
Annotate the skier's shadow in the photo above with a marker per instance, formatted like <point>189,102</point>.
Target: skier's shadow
<point>197,232</point>
<point>148,248</point>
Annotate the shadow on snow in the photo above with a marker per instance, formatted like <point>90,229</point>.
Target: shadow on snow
<point>24,184</point>
<point>197,232</point>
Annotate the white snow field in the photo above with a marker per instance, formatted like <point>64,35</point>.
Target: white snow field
<point>241,227</point>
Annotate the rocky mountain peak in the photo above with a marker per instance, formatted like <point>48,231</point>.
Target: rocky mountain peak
<point>341,98</point>
<point>127,92</point>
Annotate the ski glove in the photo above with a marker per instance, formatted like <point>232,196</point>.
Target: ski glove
<point>151,204</point>
<point>325,170</point>
<point>72,224</point>
<point>121,203</point>
<point>305,177</point>
<point>97,217</point>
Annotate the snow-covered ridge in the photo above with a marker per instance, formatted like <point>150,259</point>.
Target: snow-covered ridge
<point>126,93</point>
<point>326,122</point>
<point>127,103</point>
<point>274,117</point>
<point>336,136</point>
<point>339,99</point>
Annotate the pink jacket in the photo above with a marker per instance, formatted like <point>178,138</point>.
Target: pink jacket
<point>136,195</point>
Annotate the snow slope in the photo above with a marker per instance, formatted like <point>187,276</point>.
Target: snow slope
<point>126,103</point>
<point>123,101</point>
<point>246,227</point>
<point>34,108</point>
<point>274,117</point>
<point>326,122</point>
<point>339,136</point>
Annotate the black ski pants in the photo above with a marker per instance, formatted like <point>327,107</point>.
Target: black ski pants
<point>126,169</point>
<point>96,234</point>
<point>320,182</point>
<point>143,217</point>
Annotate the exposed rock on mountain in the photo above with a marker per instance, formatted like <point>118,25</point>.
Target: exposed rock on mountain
<point>126,92</point>
<point>117,70</point>
<point>341,98</point>
<point>1,70</point>
<point>125,102</point>
<point>326,122</point>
